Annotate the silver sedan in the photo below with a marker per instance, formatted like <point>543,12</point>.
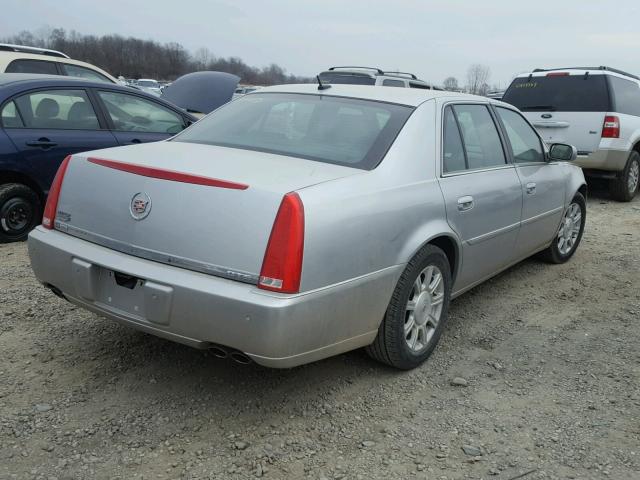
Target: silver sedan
<point>300,222</point>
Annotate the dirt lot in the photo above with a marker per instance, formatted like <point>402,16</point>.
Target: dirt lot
<point>549,354</point>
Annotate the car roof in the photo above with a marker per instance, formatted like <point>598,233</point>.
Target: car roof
<point>540,72</point>
<point>7,57</point>
<point>403,96</point>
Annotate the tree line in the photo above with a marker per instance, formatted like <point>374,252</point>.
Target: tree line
<point>136,58</point>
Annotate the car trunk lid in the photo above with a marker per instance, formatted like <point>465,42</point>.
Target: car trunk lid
<point>206,208</point>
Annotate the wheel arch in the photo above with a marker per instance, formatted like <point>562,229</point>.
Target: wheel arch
<point>444,239</point>
<point>10,176</point>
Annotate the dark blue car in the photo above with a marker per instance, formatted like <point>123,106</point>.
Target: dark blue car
<point>45,118</point>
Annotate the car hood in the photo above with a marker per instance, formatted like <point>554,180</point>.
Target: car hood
<point>201,92</point>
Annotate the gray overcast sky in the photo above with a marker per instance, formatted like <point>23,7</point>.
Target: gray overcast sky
<point>434,39</point>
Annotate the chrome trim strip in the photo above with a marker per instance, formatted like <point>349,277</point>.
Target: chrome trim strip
<point>160,257</point>
<point>541,215</point>
<point>487,236</point>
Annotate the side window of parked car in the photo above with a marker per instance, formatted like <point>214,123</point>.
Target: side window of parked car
<point>131,113</point>
<point>524,141</point>
<point>32,66</point>
<point>10,117</point>
<point>58,109</point>
<point>626,95</point>
<point>82,72</point>
<point>387,82</point>
<point>482,145</point>
<point>453,151</point>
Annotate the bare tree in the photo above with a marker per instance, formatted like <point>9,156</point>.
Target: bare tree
<point>135,58</point>
<point>451,83</point>
<point>478,78</point>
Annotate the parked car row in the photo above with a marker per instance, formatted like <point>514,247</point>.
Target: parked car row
<point>320,218</point>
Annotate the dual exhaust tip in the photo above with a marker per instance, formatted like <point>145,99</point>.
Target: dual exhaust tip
<point>235,355</point>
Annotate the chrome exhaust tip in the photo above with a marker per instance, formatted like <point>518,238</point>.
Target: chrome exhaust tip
<point>240,357</point>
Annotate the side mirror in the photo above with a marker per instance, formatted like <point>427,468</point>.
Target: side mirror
<point>561,152</point>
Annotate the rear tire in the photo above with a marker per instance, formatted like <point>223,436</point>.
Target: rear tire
<point>20,212</point>
<point>566,241</point>
<point>417,313</point>
<point>624,187</point>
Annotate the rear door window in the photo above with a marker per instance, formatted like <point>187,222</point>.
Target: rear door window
<point>482,144</point>
<point>57,109</point>
<point>454,159</point>
<point>32,66</point>
<point>626,96</point>
<point>130,113</point>
<point>525,143</point>
<point>347,79</point>
<point>561,93</point>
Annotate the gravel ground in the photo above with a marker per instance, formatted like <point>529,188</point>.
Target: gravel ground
<point>537,376</point>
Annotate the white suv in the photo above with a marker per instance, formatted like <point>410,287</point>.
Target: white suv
<point>596,109</point>
<point>373,76</point>
<point>23,59</point>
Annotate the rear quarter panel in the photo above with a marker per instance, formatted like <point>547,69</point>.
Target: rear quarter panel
<point>365,223</point>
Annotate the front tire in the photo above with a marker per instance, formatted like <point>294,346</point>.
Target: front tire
<point>20,212</point>
<point>624,187</point>
<point>566,241</point>
<point>417,312</point>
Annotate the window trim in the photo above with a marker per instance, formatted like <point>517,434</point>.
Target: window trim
<point>87,92</point>
<point>488,105</point>
<point>503,131</point>
<point>109,121</point>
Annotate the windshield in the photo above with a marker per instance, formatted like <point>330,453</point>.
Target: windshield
<point>343,131</point>
<point>568,93</point>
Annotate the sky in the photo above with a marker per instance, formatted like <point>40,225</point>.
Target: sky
<point>433,39</point>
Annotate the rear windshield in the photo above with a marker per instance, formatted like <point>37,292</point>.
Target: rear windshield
<point>569,93</point>
<point>347,78</point>
<point>344,131</point>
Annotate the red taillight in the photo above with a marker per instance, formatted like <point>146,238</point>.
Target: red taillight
<point>50,208</point>
<point>282,264</point>
<point>611,127</point>
<point>558,74</point>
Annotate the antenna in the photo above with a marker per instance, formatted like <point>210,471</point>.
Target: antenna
<point>322,86</point>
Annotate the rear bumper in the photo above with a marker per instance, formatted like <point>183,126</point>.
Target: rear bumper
<point>202,311</point>
<point>604,159</point>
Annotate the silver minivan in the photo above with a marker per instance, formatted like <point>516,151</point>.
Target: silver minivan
<point>596,109</point>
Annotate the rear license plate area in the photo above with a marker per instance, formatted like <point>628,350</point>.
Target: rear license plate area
<point>134,297</point>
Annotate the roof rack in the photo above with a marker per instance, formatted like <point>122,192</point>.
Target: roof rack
<point>401,74</point>
<point>8,47</point>
<point>379,71</point>
<point>602,67</point>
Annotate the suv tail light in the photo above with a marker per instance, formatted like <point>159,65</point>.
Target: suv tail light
<point>50,208</point>
<point>558,74</point>
<point>611,127</point>
<point>282,264</point>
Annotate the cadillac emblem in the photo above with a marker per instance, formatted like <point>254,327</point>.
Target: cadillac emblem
<point>140,206</point>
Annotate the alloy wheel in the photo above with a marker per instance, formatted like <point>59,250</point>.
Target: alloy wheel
<point>424,308</point>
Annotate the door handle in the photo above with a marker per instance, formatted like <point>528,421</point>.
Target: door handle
<point>465,203</point>
<point>42,143</point>
<point>531,188</point>
<point>135,141</point>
